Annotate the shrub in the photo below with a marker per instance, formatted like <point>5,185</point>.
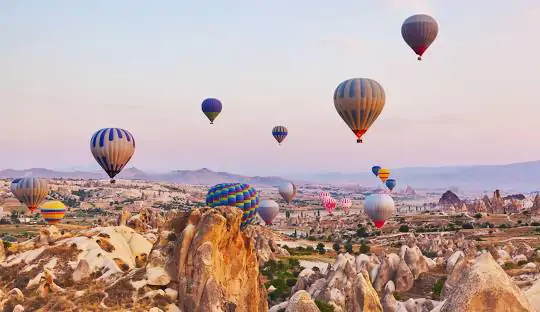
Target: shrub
<point>404,228</point>
<point>522,262</point>
<point>429,254</point>
<point>478,215</point>
<point>468,226</point>
<point>509,266</point>
<point>6,244</point>
<point>437,289</point>
<point>397,296</point>
<point>320,248</point>
<point>349,247</point>
<point>364,248</point>
<point>503,226</point>
<point>291,282</point>
<point>535,223</point>
<point>519,221</point>
<point>337,247</point>
<point>294,262</point>
<point>171,237</point>
<point>323,306</point>
<point>316,269</point>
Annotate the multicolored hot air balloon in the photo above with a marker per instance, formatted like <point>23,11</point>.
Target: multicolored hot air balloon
<point>32,191</point>
<point>112,148</point>
<point>52,211</point>
<point>211,108</point>
<point>384,174</point>
<point>345,204</point>
<point>419,31</point>
<point>268,210</point>
<point>280,133</point>
<point>375,170</point>
<point>323,195</point>
<point>240,195</point>
<point>359,102</point>
<point>390,184</point>
<point>379,207</point>
<point>287,190</point>
<point>329,204</point>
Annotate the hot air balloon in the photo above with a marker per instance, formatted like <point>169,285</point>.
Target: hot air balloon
<point>32,191</point>
<point>359,102</point>
<point>52,211</point>
<point>240,195</point>
<point>390,184</point>
<point>280,133</point>
<point>112,148</point>
<point>419,31</point>
<point>346,204</point>
<point>287,190</point>
<point>13,187</point>
<point>379,207</point>
<point>211,108</point>
<point>322,195</point>
<point>268,210</point>
<point>375,170</point>
<point>329,204</point>
<point>384,174</point>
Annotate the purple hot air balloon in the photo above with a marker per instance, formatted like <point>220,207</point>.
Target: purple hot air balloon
<point>211,108</point>
<point>419,31</point>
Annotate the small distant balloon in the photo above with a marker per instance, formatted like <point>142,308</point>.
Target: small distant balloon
<point>379,207</point>
<point>268,210</point>
<point>329,204</point>
<point>359,102</point>
<point>112,148</point>
<point>211,108</point>
<point>384,174</point>
<point>52,211</point>
<point>375,170</point>
<point>390,184</point>
<point>287,190</point>
<point>280,133</point>
<point>32,192</point>
<point>345,204</point>
<point>419,31</point>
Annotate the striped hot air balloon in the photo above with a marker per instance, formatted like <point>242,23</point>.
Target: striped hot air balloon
<point>13,187</point>
<point>112,148</point>
<point>323,194</point>
<point>379,207</point>
<point>240,195</point>
<point>268,210</point>
<point>384,174</point>
<point>52,211</point>
<point>280,133</point>
<point>32,191</point>
<point>390,184</point>
<point>211,108</point>
<point>375,170</point>
<point>329,204</point>
<point>345,204</point>
<point>419,31</point>
<point>287,190</point>
<point>359,102</point>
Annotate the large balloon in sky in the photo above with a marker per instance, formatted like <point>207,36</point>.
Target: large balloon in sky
<point>52,211</point>
<point>211,108</point>
<point>268,210</point>
<point>375,170</point>
<point>280,133</point>
<point>384,174</point>
<point>329,204</point>
<point>390,184</point>
<point>419,31</point>
<point>240,195</point>
<point>359,102</point>
<point>112,148</point>
<point>379,207</point>
<point>346,204</point>
<point>32,191</point>
<point>287,190</point>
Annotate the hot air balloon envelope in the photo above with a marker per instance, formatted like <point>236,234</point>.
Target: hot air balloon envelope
<point>112,148</point>
<point>280,133</point>
<point>240,195</point>
<point>419,31</point>
<point>268,210</point>
<point>52,211</point>
<point>375,170</point>
<point>379,207</point>
<point>287,190</point>
<point>390,184</point>
<point>359,102</point>
<point>32,191</point>
<point>211,108</point>
<point>384,174</point>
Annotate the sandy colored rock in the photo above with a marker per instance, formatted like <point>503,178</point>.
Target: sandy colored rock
<point>485,287</point>
<point>404,278</point>
<point>365,298</point>
<point>301,302</point>
<point>82,271</point>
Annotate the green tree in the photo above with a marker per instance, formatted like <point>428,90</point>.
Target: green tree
<point>349,247</point>
<point>364,248</point>
<point>336,247</point>
<point>404,228</point>
<point>321,249</point>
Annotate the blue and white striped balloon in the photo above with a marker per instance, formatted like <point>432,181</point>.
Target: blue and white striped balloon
<point>112,148</point>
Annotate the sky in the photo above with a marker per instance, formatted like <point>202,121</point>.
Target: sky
<point>69,68</point>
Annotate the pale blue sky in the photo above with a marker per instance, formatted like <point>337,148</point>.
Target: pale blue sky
<point>68,68</point>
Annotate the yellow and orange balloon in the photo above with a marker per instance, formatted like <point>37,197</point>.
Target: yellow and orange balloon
<point>53,211</point>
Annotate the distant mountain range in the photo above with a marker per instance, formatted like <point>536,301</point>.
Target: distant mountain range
<point>202,176</point>
<point>518,177</point>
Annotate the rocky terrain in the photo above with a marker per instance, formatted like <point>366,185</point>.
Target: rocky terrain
<point>200,260</point>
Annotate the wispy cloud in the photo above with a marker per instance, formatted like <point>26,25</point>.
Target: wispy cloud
<point>417,6</point>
